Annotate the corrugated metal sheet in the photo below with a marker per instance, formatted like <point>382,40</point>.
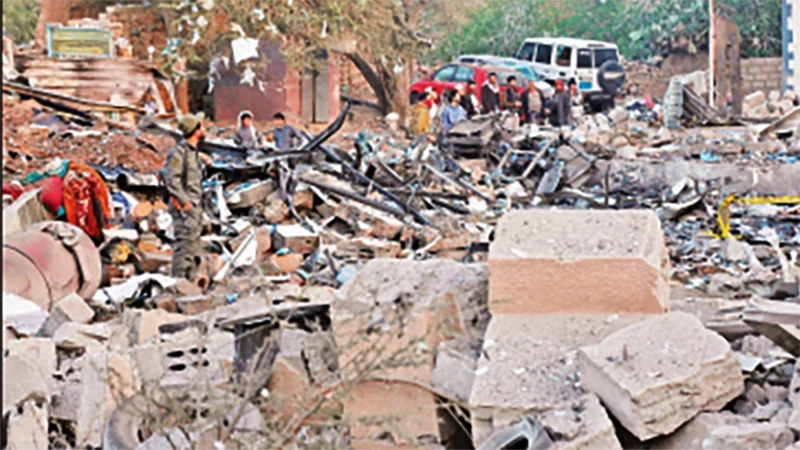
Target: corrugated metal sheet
<point>92,79</point>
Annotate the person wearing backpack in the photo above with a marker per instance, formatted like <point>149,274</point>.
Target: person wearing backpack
<point>183,178</point>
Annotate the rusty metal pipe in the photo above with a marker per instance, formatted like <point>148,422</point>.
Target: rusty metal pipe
<point>48,261</point>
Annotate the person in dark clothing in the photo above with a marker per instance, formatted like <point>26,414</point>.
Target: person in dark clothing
<point>490,95</point>
<point>511,100</point>
<point>561,110</point>
<point>286,137</point>
<point>469,101</point>
<point>532,104</point>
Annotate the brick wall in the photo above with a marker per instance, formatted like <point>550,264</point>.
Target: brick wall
<point>761,74</point>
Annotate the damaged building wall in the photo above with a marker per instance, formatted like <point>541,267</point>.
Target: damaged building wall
<point>314,99</point>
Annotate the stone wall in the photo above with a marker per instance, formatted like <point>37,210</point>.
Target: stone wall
<point>761,74</point>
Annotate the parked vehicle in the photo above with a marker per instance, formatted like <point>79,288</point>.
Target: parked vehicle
<point>448,76</point>
<point>573,59</point>
<point>522,67</point>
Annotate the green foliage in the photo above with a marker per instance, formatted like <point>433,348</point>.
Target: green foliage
<point>641,28</point>
<point>19,18</point>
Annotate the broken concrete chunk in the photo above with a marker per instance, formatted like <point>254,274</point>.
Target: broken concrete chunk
<point>91,412</point>
<point>71,308</point>
<point>78,336</point>
<point>570,261</point>
<point>27,427</point>
<point>144,324</point>
<point>26,210</point>
<point>22,315</point>
<point>22,380</point>
<point>528,366</point>
<point>656,375</point>
<point>296,238</point>
<point>41,352</point>
<point>728,431</point>
<point>423,283</point>
<point>454,372</point>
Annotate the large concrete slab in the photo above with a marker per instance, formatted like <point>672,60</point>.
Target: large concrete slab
<point>528,366</point>
<point>656,375</point>
<point>548,261</point>
<point>725,430</point>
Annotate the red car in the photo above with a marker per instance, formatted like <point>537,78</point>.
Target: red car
<point>448,76</point>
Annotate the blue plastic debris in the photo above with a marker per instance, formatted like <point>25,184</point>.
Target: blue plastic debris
<point>708,156</point>
<point>345,274</point>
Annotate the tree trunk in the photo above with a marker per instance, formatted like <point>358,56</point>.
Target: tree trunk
<point>373,79</point>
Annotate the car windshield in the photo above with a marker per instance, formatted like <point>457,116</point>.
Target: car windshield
<point>601,55</point>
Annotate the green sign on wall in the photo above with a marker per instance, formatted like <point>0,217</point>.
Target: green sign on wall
<point>80,42</point>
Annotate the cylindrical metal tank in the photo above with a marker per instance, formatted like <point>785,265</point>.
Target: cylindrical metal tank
<point>48,261</point>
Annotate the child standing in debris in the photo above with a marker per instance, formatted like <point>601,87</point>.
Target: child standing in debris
<point>285,136</point>
<point>453,112</point>
<point>184,176</point>
<point>246,136</point>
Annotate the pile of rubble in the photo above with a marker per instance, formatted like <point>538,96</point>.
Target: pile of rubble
<point>396,292</point>
<point>762,106</point>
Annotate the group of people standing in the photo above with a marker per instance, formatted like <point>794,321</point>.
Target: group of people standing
<point>462,103</point>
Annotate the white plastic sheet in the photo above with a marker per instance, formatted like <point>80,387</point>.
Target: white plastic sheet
<point>244,49</point>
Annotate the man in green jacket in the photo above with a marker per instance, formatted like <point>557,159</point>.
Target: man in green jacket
<point>183,179</point>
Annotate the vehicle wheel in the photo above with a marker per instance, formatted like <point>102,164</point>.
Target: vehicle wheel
<point>413,98</point>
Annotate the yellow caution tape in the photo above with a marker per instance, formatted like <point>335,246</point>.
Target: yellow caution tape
<point>724,214</point>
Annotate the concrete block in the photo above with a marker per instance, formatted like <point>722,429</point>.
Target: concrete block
<point>182,358</point>
<point>405,410</point>
<point>578,262</point>
<point>24,212</point>
<point>454,371</point>
<point>23,380</point>
<point>42,352</point>
<point>144,325</point>
<point>71,308</point>
<point>753,100</point>
<point>91,412</point>
<point>528,366</point>
<point>296,238</point>
<point>27,429</point>
<point>725,430</point>
<point>78,336</point>
<point>420,284</point>
<point>289,387</point>
<point>656,375</point>
<point>122,382</point>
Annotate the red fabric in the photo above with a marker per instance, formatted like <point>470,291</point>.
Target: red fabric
<point>11,189</point>
<point>81,185</point>
<point>648,101</point>
<point>52,194</point>
<point>560,84</point>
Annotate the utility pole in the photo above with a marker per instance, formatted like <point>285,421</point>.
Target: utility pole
<point>711,53</point>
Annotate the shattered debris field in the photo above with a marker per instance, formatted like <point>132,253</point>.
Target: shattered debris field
<point>629,281</point>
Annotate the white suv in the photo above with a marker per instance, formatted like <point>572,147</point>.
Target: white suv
<point>570,59</point>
